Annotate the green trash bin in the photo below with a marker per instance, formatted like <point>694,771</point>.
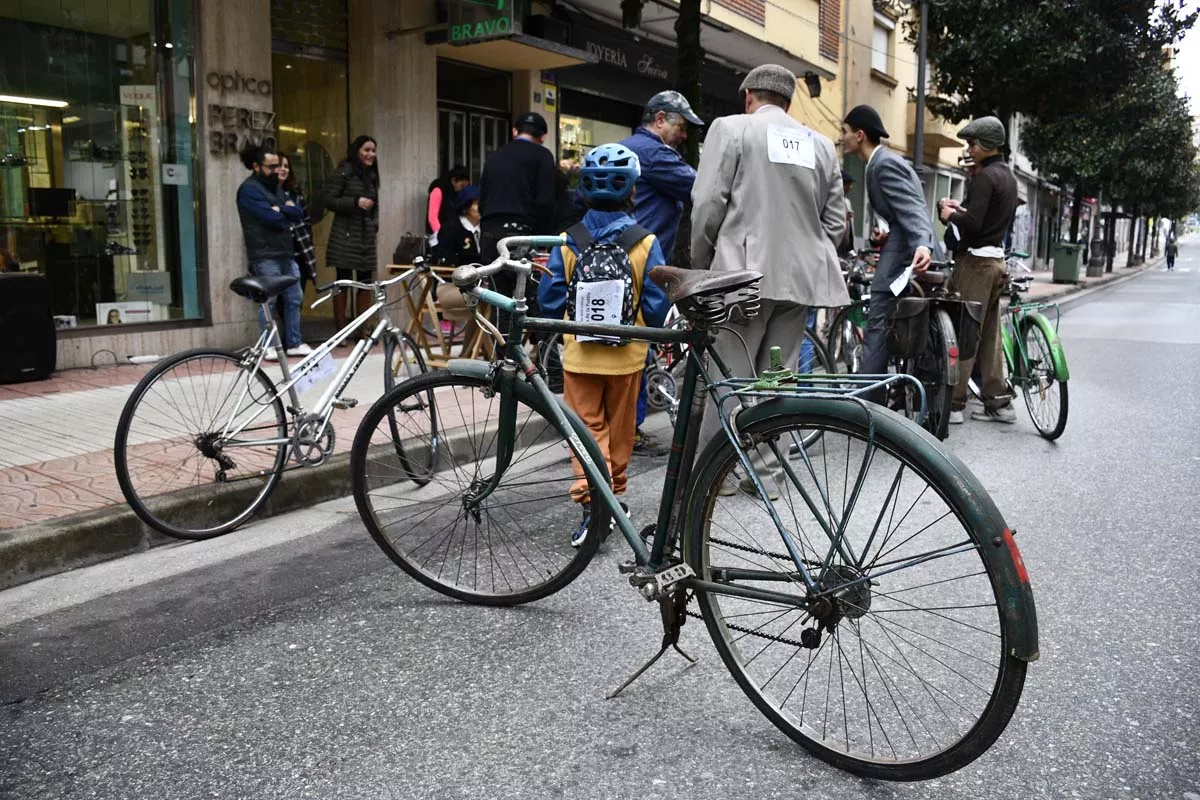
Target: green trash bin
<point>1066,261</point>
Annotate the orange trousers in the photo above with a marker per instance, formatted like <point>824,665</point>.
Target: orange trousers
<point>607,404</point>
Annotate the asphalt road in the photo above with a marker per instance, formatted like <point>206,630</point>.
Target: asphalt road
<point>293,660</point>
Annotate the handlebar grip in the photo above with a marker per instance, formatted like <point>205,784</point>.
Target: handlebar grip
<point>326,287</point>
<point>545,241</point>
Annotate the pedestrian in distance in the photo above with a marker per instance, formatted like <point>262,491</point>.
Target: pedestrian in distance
<point>517,197</point>
<point>352,194</point>
<point>601,269</point>
<point>983,220</point>
<point>897,197</point>
<point>768,197</point>
<point>267,218</point>
<point>662,189</point>
<point>1172,250</point>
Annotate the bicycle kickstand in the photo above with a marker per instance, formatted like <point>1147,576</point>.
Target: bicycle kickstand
<point>673,606</point>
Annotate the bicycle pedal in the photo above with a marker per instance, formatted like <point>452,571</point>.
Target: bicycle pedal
<point>345,403</point>
<point>627,567</point>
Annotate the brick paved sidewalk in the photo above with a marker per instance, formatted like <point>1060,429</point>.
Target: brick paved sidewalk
<point>56,450</point>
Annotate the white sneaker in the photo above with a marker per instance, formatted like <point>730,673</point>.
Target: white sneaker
<point>956,417</point>
<point>299,350</point>
<point>1004,413</point>
<point>272,355</point>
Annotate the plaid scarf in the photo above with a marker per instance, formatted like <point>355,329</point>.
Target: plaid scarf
<point>306,253</point>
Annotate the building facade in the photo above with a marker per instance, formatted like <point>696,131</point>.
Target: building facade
<point>119,165</point>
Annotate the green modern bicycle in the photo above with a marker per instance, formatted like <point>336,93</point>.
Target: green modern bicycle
<point>877,612</point>
<point>1033,355</point>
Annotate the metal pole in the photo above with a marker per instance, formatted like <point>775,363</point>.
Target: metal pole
<point>919,134</point>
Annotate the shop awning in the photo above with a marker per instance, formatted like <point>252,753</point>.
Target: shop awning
<point>735,48</point>
<point>516,52</point>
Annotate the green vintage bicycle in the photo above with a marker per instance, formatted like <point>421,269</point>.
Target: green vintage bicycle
<point>1033,355</point>
<point>877,611</point>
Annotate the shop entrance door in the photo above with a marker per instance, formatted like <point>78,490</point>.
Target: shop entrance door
<point>467,137</point>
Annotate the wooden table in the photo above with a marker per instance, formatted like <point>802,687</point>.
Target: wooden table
<point>426,314</point>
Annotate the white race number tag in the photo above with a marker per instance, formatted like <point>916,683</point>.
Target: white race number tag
<point>321,370</point>
<point>787,145</point>
<point>599,301</point>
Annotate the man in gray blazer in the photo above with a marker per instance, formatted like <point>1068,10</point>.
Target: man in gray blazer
<point>768,197</point>
<point>896,196</point>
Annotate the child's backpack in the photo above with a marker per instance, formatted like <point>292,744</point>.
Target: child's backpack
<point>601,287</point>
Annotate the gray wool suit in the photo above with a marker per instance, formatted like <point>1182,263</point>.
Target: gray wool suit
<point>896,196</point>
<point>768,197</point>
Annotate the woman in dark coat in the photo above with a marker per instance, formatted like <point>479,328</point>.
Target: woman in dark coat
<point>352,194</point>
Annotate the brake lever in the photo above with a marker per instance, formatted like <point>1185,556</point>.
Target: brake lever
<point>320,300</point>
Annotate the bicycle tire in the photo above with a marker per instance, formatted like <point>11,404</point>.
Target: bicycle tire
<point>161,395</point>
<point>739,637</point>
<point>1040,383</point>
<point>940,391</point>
<point>403,361</point>
<point>549,354</point>
<point>542,562</point>
<point>843,332</point>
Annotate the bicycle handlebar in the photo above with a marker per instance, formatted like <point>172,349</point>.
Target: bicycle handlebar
<point>468,275</point>
<point>332,287</point>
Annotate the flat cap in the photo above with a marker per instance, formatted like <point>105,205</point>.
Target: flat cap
<point>988,131</point>
<point>534,121</point>
<point>865,118</point>
<point>770,78</point>
<point>674,103</point>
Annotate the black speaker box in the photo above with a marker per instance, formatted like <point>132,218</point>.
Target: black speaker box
<point>27,334</point>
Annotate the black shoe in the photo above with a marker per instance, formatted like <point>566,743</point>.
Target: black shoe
<point>645,445</point>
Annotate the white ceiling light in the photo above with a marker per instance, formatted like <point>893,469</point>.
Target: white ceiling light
<point>33,101</point>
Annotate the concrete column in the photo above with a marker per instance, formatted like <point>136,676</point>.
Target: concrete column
<point>393,98</point>
<point>526,83</point>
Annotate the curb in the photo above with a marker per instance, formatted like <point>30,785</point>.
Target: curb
<point>1076,292</point>
<point>91,537</point>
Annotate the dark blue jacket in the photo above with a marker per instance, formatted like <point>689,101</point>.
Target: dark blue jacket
<point>268,232</point>
<point>663,188</point>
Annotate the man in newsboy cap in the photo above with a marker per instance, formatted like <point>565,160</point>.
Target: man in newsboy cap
<point>768,197</point>
<point>982,222</point>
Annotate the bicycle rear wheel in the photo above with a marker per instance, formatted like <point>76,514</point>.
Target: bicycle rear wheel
<point>1045,394</point>
<point>902,668</point>
<point>549,352</point>
<point>180,467</point>
<point>931,368</point>
<point>402,361</point>
<point>513,545</point>
<point>847,343</point>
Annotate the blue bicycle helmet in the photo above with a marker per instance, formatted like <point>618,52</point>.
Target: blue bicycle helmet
<point>609,173</point>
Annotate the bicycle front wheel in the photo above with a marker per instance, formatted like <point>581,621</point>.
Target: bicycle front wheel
<point>200,444</point>
<point>403,360</point>
<point>1045,394</point>
<point>898,666</point>
<point>504,546</point>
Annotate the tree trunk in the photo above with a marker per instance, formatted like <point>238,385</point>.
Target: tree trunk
<point>1154,237</point>
<point>1076,206</point>
<point>689,59</point>
<point>1133,227</point>
<point>1110,241</point>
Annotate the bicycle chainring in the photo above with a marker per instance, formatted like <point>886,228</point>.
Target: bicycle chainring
<point>312,443</point>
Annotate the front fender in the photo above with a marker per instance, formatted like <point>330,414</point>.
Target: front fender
<point>1057,357</point>
<point>979,512</point>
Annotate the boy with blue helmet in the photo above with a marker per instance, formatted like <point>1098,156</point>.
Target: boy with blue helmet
<point>605,260</point>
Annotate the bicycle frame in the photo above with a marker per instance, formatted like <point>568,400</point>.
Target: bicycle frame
<point>686,434</point>
<point>270,338</point>
<point>1019,316</point>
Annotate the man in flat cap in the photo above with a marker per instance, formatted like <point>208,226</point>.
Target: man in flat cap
<point>896,196</point>
<point>982,223</point>
<point>663,187</point>
<point>768,197</point>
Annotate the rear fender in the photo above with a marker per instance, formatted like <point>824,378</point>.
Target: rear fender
<point>996,544</point>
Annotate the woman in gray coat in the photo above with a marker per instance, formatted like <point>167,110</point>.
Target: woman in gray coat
<point>352,194</point>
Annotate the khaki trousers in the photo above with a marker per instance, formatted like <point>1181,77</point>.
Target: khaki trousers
<point>982,280</point>
<point>607,404</point>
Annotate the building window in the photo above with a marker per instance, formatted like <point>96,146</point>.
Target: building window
<point>97,158</point>
<point>881,44</point>
<point>830,21</point>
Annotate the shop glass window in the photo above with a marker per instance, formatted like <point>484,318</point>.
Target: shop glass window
<point>97,157</point>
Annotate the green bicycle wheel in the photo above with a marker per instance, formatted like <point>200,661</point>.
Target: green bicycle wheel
<point>1045,394</point>
<point>902,667</point>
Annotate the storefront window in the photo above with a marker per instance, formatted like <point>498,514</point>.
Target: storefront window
<point>578,135</point>
<point>97,158</point>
